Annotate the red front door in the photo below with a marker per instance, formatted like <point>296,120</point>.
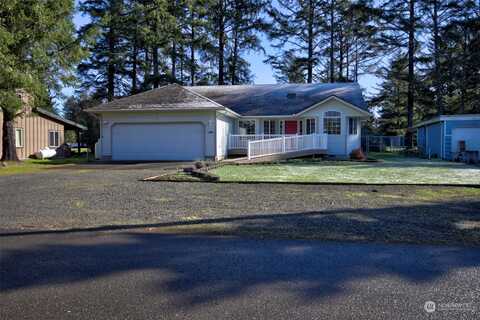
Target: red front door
<point>291,126</point>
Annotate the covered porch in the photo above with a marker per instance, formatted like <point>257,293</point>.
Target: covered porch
<point>268,137</point>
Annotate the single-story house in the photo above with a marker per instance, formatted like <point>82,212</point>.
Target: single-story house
<point>36,128</point>
<point>441,136</point>
<point>210,122</point>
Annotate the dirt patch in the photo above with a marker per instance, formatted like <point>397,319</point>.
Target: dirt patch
<point>414,214</point>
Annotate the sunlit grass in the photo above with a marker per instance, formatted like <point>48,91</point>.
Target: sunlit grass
<point>37,165</point>
<point>395,170</point>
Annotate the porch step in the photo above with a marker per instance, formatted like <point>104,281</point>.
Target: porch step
<point>278,156</point>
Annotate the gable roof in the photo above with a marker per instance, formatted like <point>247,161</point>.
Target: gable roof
<point>244,100</point>
<point>280,99</point>
<point>169,97</point>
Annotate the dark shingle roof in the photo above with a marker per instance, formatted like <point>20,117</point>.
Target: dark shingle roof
<point>280,99</point>
<point>246,100</point>
<point>170,97</point>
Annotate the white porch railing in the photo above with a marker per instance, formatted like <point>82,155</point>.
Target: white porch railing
<point>285,144</point>
<point>240,141</point>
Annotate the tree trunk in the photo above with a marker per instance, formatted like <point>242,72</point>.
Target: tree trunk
<point>134,66</point>
<point>356,61</point>
<point>332,21</point>
<point>221,43</point>
<point>156,73</point>
<point>233,70</point>
<point>463,90</point>
<point>174,60</point>
<point>411,75</point>
<point>182,63</point>
<point>9,150</point>
<point>436,54</point>
<point>192,48</point>
<point>347,57</point>
<point>310,42</point>
<point>341,52</point>
<point>111,65</point>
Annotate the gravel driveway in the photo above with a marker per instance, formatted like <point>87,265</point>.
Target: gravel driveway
<point>59,199</point>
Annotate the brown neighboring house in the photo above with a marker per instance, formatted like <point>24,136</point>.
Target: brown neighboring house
<point>36,129</point>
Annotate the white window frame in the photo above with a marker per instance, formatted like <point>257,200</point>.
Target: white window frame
<point>271,127</point>
<point>310,124</point>
<point>332,123</point>
<point>251,125</point>
<point>19,143</point>
<point>353,126</point>
<point>56,138</point>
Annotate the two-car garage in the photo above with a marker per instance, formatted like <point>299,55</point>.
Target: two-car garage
<point>158,141</point>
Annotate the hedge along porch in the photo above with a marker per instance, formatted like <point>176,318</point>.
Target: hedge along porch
<point>439,137</point>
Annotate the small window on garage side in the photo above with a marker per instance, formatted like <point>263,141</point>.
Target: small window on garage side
<point>332,123</point>
<point>53,139</point>
<point>19,143</point>
<point>247,126</point>
<point>352,126</point>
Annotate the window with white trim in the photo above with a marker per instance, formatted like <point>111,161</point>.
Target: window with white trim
<point>246,126</point>
<point>300,127</point>
<point>269,127</point>
<point>352,126</point>
<point>310,129</point>
<point>19,138</point>
<point>53,139</point>
<point>332,123</point>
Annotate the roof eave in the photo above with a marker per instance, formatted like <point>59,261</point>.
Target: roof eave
<point>65,122</point>
<point>99,111</point>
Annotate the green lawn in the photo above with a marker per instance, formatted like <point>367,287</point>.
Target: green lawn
<point>36,165</point>
<point>392,169</point>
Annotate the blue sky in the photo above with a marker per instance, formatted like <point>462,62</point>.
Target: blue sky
<point>263,73</point>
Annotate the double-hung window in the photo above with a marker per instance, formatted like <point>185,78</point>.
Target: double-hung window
<point>310,129</point>
<point>269,127</point>
<point>19,138</point>
<point>332,123</point>
<point>352,126</point>
<point>53,139</point>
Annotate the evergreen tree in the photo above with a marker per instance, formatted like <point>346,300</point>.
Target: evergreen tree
<point>74,109</point>
<point>103,73</point>
<point>38,48</point>
<point>297,31</point>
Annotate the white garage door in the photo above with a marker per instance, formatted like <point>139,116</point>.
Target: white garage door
<point>471,136</point>
<point>158,141</point>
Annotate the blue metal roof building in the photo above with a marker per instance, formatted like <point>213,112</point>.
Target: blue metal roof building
<point>439,137</point>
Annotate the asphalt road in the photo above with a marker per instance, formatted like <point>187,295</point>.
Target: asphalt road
<point>146,275</point>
